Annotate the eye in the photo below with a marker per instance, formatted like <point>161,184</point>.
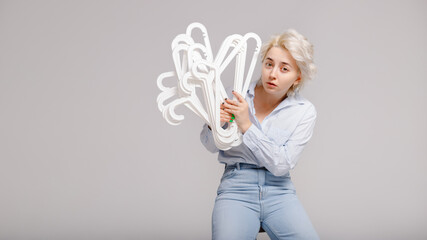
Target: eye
<point>268,64</point>
<point>284,69</point>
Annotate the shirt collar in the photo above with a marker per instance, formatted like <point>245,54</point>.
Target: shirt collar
<point>292,100</point>
<point>251,89</point>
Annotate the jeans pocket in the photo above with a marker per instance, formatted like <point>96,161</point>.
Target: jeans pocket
<point>226,180</point>
<point>228,172</point>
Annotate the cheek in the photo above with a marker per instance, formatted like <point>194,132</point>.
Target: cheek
<point>288,79</point>
<point>264,73</point>
<point>291,77</point>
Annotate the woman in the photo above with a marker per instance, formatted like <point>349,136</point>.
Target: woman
<point>276,122</point>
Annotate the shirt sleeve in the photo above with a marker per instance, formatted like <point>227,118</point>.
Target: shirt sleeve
<point>207,139</point>
<point>279,159</point>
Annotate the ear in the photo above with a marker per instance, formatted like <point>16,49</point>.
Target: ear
<point>298,80</point>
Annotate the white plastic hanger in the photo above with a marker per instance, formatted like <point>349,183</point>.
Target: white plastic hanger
<point>195,67</point>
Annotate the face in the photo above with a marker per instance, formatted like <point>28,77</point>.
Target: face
<point>279,72</point>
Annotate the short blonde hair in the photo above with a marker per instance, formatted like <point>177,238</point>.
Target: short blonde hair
<point>300,49</point>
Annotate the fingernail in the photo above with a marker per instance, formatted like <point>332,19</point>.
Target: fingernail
<point>231,120</point>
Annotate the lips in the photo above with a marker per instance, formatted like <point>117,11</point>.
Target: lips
<point>272,84</point>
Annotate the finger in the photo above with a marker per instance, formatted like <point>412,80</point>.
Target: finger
<point>238,96</point>
<point>222,112</point>
<point>225,118</point>
<point>225,105</point>
<point>231,111</point>
<point>232,102</point>
<point>222,108</point>
<point>230,106</point>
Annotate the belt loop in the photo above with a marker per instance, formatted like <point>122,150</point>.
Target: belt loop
<point>238,166</point>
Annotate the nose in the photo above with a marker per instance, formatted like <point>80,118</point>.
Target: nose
<point>273,73</point>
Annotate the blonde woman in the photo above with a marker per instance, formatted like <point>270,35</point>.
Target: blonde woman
<point>256,190</point>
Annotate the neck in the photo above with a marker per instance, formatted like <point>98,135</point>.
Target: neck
<point>268,99</point>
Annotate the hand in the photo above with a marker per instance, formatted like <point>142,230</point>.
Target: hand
<point>224,116</point>
<point>240,109</point>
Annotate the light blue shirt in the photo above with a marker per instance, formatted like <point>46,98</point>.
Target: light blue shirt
<point>277,142</point>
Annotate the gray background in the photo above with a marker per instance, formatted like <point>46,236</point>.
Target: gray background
<point>85,154</point>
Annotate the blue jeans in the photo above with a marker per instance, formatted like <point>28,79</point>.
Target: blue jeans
<point>250,197</point>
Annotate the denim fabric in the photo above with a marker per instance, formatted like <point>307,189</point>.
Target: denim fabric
<point>250,197</point>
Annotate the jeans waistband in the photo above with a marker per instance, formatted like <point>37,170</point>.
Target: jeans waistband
<point>244,166</point>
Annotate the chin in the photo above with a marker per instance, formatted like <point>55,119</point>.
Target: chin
<point>273,90</point>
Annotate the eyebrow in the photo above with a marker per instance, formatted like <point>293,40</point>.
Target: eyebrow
<point>281,62</point>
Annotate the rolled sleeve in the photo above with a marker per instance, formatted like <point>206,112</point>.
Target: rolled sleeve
<point>207,139</point>
<point>250,137</point>
<point>279,159</point>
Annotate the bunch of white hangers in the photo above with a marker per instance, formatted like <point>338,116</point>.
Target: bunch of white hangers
<point>196,67</point>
